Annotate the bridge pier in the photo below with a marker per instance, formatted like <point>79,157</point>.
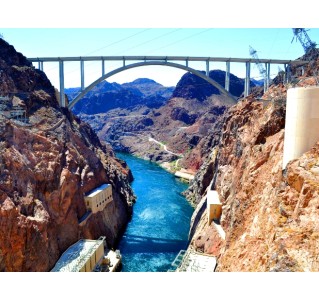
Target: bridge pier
<point>287,73</point>
<point>207,68</point>
<point>227,76</point>
<point>40,65</point>
<point>247,80</point>
<point>61,77</point>
<point>267,75</point>
<point>103,67</point>
<point>82,75</point>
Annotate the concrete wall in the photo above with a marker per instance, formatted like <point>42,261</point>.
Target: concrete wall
<point>99,253</point>
<point>302,122</point>
<point>92,260</point>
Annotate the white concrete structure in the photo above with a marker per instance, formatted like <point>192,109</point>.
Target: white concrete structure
<point>186,176</point>
<point>97,199</point>
<point>83,256</point>
<point>214,207</point>
<point>302,122</point>
<point>192,261</point>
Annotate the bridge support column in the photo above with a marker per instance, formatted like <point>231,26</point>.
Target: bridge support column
<point>103,67</point>
<point>227,76</point>
<point>187,63</point>
<point>286,79</point>
<point>247,80</point>
<point>207,68</point>
<point>265,78</point>
<point>61,77</point>
<point>40,65</point>
<point>268,75</point>
<point>82,75</point>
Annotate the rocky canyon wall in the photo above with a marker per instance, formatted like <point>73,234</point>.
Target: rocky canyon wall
<point>270,216</point>
<point>46,166</point>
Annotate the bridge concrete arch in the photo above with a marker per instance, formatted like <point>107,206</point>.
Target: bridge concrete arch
<point>152,63</point>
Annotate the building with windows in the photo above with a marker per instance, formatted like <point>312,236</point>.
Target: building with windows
<point>97,199</point>
<point>83,256</point>
<point>89,256</point>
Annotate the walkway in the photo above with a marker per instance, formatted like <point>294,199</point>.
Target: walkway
<point>192,261</point>
<point>164,146</point>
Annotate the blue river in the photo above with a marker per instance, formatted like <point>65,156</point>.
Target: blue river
<point>160,222</point>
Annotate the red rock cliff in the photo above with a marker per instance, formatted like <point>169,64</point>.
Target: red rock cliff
<point>46,167</point>
<point>270,217</point>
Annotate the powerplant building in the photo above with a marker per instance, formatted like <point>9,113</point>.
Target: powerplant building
<point>83,256</point>
<point>97,199</point>
<point>89,256</point>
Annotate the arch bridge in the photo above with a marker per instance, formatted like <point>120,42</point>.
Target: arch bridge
<point>170,61</point>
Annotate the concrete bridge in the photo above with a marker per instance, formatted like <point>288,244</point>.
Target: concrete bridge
<point>130,62</point>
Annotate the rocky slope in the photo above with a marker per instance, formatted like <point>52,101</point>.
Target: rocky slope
<point>270,217</point>
<point>185,124</point>
<point>46,166</point>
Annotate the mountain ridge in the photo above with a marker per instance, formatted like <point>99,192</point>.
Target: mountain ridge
<point>181,122</point>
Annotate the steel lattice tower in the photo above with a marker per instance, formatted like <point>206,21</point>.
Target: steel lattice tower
<point>261,69</point>
<point>302,36</point>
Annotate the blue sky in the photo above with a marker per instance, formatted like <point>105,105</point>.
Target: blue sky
<point>272,43</point>
<point>140,27</point>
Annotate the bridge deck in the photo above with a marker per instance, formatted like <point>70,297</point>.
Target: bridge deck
<point>165,58</point>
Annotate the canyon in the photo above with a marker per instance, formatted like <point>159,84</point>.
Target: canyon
<point>184,120</point>
<point>53,158</point>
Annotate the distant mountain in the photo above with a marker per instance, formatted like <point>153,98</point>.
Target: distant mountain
<point>194,87</point>
<point>259,82</point>
<point>106,96</point>
<point>149,87</point>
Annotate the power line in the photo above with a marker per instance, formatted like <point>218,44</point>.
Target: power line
<point>165,34</point>
<point>114,43</point>
<point>122,52</point>
<point>121,40</point>
<point>182,39</point>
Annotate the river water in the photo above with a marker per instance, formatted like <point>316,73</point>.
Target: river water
<point>161,219</point>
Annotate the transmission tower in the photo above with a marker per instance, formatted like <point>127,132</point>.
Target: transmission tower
<point>302,36</point>
<point>262,71</point>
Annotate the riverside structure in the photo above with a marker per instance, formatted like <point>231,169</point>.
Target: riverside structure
<point>98,198</point>
<point>169,61</point>
<point>88,256</point>
<point>83,256</point>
